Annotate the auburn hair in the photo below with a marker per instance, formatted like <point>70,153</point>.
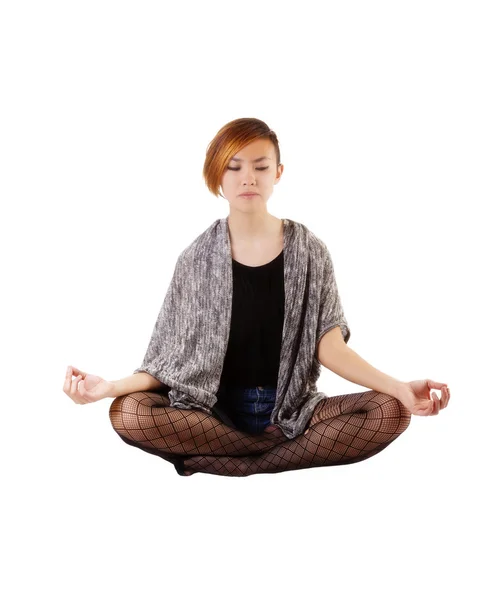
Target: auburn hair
<point>229,140</point>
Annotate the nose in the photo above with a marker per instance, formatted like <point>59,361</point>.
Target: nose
<point>248,178</point>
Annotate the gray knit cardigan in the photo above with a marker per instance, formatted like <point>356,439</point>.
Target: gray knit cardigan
<point>189,341</point>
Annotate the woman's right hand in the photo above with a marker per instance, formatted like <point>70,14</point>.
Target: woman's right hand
<point>86,388</point>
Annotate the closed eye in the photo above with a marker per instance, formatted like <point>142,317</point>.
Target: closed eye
<point>238,168</point>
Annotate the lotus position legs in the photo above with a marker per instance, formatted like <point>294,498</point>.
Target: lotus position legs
<point>343,429</point>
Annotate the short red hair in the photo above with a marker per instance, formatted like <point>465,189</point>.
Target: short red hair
<point>228,141</point>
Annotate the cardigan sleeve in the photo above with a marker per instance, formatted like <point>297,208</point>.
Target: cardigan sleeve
<point>162,347</point>
<point>331,311</point>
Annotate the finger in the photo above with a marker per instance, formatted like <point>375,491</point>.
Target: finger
<point>84,393</point>
<point>442,400</point>
<point>435,384</point>
<point>435,406</point>
<point>74,390</point>
<point>67,380</point>
<point>437,399</point>
<point>79,372</point>
<point>445,397</point>
<point>74,383</point>
<point>432,404</point>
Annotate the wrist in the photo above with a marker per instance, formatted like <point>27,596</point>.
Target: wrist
<point>397,388</point>
<point>113,390</point>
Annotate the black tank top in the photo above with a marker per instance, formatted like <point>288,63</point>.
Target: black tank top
<point>253,351</point>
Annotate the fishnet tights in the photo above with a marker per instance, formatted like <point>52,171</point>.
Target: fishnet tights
<point>343,429</point>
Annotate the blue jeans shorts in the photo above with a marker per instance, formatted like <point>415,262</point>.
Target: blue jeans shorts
<point>247,409</point>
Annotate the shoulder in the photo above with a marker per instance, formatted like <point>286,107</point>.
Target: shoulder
<point>204,239</point>
<point>315,245</point>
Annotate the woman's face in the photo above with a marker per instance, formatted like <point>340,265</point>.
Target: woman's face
<point>252,169</point>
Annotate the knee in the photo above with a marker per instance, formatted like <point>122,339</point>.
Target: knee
<point>123,405</point>
<point>401,413</point>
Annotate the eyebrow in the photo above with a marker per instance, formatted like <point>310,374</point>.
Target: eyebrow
<point>255,161</point>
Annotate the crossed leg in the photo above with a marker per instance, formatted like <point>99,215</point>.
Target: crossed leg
<point>147,421</point>
<point>343,429</point>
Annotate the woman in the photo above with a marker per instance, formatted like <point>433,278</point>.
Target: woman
<point>244,401</point>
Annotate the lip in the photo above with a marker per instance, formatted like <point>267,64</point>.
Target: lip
<point>249,194</point>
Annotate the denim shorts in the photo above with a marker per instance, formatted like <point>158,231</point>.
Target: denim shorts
<point>248,409</point>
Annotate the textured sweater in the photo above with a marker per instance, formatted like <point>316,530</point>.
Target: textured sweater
<point>189,341</point>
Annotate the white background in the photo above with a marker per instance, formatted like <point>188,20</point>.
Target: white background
<point>386,122</point>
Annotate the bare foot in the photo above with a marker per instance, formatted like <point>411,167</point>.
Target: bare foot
<point>270,428</point>
<point>276,431</point>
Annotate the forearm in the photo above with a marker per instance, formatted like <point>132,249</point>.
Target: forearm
<point>135,383</point>
<point>346,363</point>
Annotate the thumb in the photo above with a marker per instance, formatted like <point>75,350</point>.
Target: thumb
<point>435,384</point>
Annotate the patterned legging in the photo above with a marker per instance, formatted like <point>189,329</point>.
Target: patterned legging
<point>343,429</point>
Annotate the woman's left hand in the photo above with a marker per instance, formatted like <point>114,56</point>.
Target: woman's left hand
<point>416,397</point>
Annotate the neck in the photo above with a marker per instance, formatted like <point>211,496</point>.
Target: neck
<point>248,227</point>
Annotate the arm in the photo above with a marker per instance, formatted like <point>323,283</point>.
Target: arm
<point>139,382</point>
<point>333,353</point>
